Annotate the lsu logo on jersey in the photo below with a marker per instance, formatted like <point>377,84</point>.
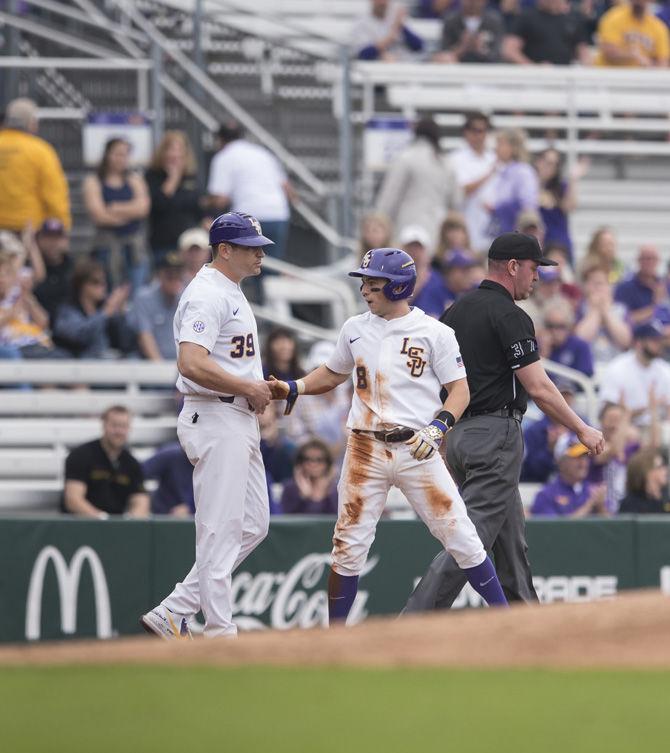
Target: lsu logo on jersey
<point>416,362</point>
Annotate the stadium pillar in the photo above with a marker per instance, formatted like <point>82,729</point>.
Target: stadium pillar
<point>157,99</point>
<point>346,144</point>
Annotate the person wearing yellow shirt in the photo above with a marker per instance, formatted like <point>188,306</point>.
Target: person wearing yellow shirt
<point>33,187</point>
<point>630,35</point>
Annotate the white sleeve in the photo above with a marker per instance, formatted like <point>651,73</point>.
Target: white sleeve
<point>200,323</point>
<point>447,362</point>
<point>611,386</point>
<point>220,176</point>
<point>341,360</point>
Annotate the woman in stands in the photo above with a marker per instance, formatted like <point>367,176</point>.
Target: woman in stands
<point>558,196</point>
<point>313,488</point>
<point>117,201</point>
<point>647,483</point>
<point>176,202</point>
<point>376,232</point>
<point>602,252</point>
<point>280,356</point>
<point>93,322</point>
<point>514,186</point>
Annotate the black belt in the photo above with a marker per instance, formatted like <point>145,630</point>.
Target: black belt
<point>395,435</point>
<point>514,413</point>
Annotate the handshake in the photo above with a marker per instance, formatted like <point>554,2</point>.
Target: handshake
<point>288,391</point>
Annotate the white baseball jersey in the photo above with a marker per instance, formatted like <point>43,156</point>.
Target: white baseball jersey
<point>398,368</point>
<point>213,312</point>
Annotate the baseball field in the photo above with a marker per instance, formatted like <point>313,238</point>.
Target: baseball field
<point>564,678</point>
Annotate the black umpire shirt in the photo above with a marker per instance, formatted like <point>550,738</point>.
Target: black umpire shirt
<point>109,485</point>
<point>496,337</point>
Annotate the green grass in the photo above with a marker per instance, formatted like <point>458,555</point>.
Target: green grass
<point>271,710</point>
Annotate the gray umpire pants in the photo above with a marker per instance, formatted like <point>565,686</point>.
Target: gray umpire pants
<point>484,454</point>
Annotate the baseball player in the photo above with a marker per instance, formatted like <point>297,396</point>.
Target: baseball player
<point>399,359</point>
<point>221,378</point>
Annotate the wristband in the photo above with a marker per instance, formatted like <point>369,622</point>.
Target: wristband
<point>444,419</point>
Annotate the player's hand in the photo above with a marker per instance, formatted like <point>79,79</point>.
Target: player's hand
<point>289,390</point>
<point>592,439</point>
<point>425,442</point>
<point>258,394</point>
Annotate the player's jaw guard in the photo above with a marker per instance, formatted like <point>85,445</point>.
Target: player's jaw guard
<point>391,264</point>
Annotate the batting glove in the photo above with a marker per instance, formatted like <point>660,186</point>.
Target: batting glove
<point>290,390</point>
<point>426,441</point>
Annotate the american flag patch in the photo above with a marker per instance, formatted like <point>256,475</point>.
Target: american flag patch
<point>459,361</point>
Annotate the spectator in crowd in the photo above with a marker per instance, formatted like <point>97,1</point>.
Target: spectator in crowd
<point>643,291</point>
<point>325,416</point>
<point>237,171</point>
<point>453,237</point>
<point>559,253</point>
<point>549,33</point>
<point>570,495</point>
<point>474,164</point>
<point>430,294</point>
<point>382,34</point>
<point>176,202</point>
<point>174,473</point>
<point>91,322</point>
<point>194,249</point>
<point>53,245</point>
<point>23,322</point>
<point>457,275</point>
<point>557,341</point>
<point>472,33</point>
<point>540,439</point>
<point>622,439</point>
<point>558,195</point>
<point>33,186</point>
<point>646,483</point>
<point>313,488</point>
<point>102,478</point>
<point>281,357</point>
<point>433,8</point>
<point>603,251</point>
<point>376,232</point>
<point>639,376</point>
<point>514,187</point>
<point>420,187</point>
<point>630,35</point>
<point>117,202</point>
<point>153,309</point>
<point>601,320</point>
<point>548,288</point>
<point>277,451</point>
<point>529,222</point>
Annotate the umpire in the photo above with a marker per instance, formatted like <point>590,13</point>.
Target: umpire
<point>485,448</point>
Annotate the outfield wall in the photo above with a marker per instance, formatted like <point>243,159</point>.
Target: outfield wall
<point>62,577</point>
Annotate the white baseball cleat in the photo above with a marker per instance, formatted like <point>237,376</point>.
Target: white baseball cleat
<point>165,624</point>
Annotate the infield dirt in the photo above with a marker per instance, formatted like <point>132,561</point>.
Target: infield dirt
<point>631,631</point>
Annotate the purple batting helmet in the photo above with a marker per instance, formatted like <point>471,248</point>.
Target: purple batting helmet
<point>393,265</point>
<point>238,228</point>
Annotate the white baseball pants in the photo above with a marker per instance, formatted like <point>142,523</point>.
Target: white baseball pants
<point>232,512</point>
<point>370,468</point>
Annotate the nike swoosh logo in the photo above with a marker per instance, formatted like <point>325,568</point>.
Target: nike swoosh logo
<point>235,312</point>
<point>487,581</point>
<point>353,339</point>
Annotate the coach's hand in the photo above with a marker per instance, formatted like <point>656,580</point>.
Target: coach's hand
<point>426,441</point>
<point>259,395</point>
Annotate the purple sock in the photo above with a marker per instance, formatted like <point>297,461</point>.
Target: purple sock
<point>341,594</point>
<point>484,580</point>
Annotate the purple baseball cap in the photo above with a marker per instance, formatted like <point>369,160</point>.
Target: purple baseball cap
<point>52,226</point>
<point>652,330</point>
<point>459,260</point>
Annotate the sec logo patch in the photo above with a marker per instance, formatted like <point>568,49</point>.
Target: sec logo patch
<point>199,326</point>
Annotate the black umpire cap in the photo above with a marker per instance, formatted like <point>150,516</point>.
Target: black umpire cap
<point>518,246</point>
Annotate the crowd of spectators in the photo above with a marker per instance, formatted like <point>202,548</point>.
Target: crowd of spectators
<point>591,313</point>
<point>631,33</point>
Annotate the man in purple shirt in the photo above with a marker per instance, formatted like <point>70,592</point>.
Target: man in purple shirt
<point>570,495</point>
<point>641,292</point>
<point>560,344</point>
